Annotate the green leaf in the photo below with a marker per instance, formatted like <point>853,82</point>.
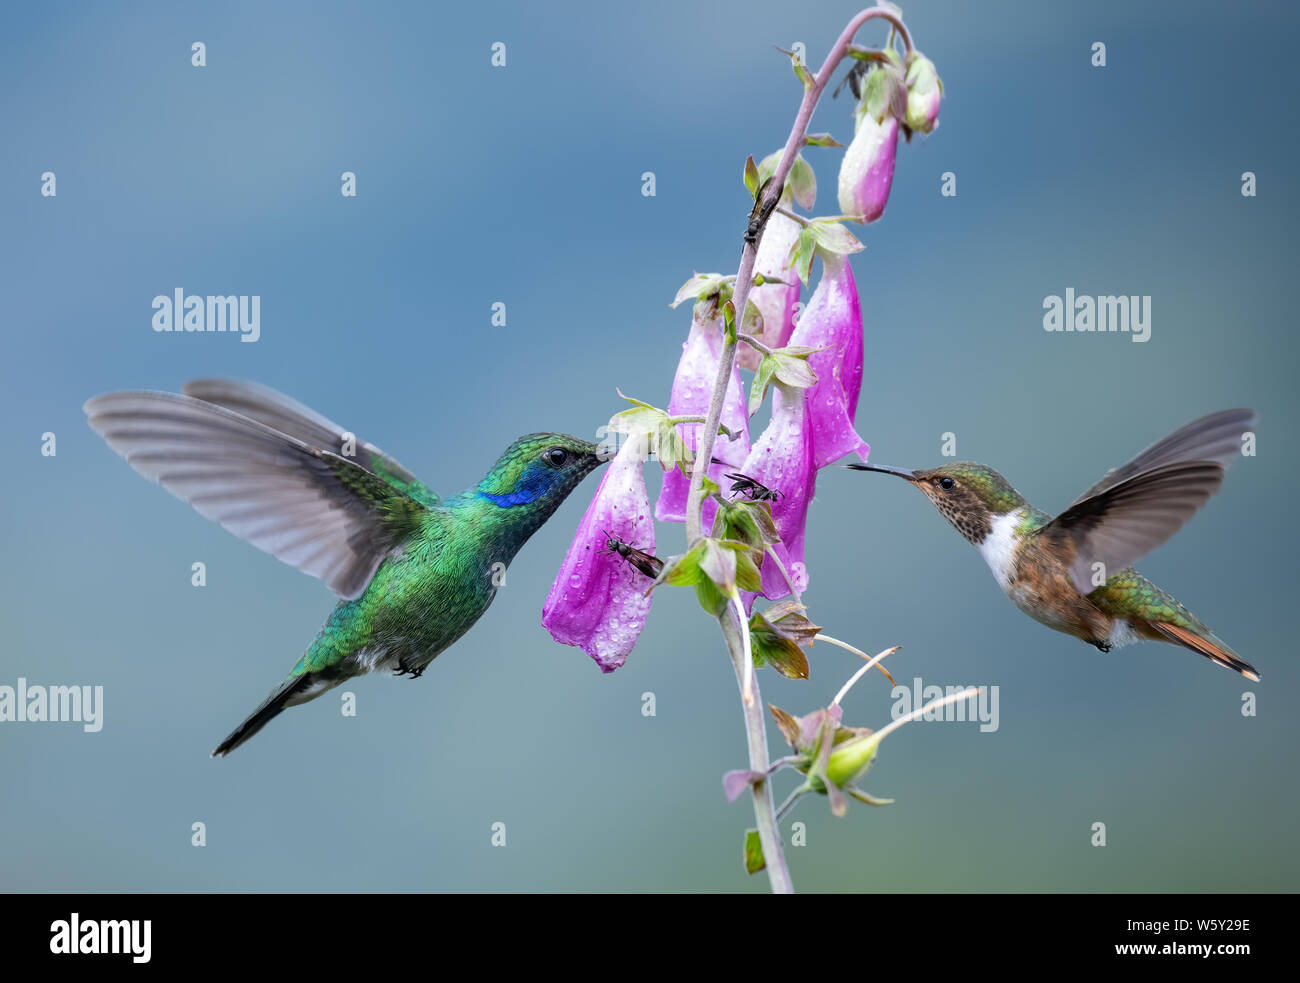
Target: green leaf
<point>767,167</point>
<point>669,447</point>
<point>804,250</point>
<point>803,182</point>
<point>788,619</point>
<point>640,419</point>
<point>754,861</point>
<point>719,565</point>
<point>762,513</point>
<point>875,98</point>
<point>730,435</point>
<point>884,93</point>
<point>800,70</point>
<point>782,655</point>
<point>748,575</point>
<point>729,322</point>
<point>774,648</point>
<point>800,183</point>
<point>762,379</point>
<point>684,570</point>
<point>753,320</point>
<point>779,634</point>
<point>820,140</point>
<point>788,725</point>
<point>751,176</point>
<point>745,522</point>
<point>631,399</point>
<point>833,237</point>
<point>712,600</point>
<point>700,286</point>
<point>793,370</point>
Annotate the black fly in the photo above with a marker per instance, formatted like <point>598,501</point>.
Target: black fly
<point>755,491</point>
<point>644,562</point>
<point>758,215</point>
<point>853,80</point>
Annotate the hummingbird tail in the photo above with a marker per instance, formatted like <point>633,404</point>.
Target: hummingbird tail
<point>297,686</point>
<point>1210,647</point>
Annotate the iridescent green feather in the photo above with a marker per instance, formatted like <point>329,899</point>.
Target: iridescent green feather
<point>1128,594</point>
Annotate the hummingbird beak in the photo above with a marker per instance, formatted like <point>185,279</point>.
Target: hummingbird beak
<point>901,472</point>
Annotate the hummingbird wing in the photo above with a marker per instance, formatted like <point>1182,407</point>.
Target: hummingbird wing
<point>1216,437</point>
<point>1136,507</point>
<point>305,505</point>
<point>280,412</point>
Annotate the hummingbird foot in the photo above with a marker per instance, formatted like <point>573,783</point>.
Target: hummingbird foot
<point>404,670</point>
<point>1102,646</point>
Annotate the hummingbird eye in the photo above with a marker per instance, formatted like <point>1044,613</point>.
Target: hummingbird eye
<point>946,483</point>
<point>556,456</point>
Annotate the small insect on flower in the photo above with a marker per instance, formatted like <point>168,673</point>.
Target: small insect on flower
<point>758,215</point>
<point>644,562</point>
<point>853,80</point>
<point>754,490</point>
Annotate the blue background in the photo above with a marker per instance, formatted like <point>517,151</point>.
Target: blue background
<point>523,184</point>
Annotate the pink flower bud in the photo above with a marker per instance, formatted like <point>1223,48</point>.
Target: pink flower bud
<point>924,90</point>
<point>867,170</point>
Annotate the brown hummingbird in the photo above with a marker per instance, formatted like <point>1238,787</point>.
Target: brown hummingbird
<point>1072,572</point>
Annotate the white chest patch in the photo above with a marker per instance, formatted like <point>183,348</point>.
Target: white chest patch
<point>1121,633</point>
<point>999,548</point>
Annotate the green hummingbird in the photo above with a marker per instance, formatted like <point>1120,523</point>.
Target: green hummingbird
<point>414,571</point>
<point>1072,572</point>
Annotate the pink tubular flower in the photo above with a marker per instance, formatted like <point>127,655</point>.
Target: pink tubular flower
<point>598,599</point>
<point>867,170</point>
<point>782,460</point>
<point>775,301</point>
<point>692,388</point>
<point>924,90</point>
<point>833,322</point>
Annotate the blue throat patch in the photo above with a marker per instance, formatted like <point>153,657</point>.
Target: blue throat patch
<point>532,485</point>
<point>505,501</point>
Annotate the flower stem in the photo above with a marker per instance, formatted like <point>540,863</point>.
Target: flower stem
<point>788,213</point>
<point>778,874</point>
<point>755,344</point>
<point>871,664</point>
<point>790,800</point>
<point>746,653</point>
<point>823,637</point>
<point>755,726</point>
